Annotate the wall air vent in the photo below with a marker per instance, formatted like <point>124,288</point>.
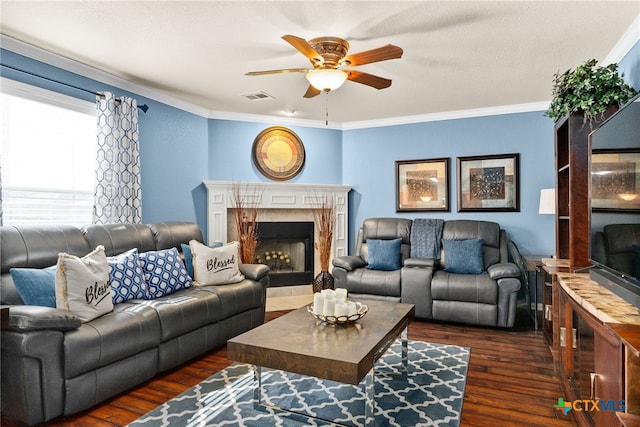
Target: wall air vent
<point>257,96</point>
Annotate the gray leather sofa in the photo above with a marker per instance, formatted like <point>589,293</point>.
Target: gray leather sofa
<point>487,298</point>
<point>53,364</point>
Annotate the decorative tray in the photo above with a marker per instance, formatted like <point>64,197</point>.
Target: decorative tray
<point>361,310</point>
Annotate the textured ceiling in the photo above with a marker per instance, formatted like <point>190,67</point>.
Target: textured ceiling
<point>457,55</point>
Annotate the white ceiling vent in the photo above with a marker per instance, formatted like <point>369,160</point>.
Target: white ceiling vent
<point>257,96</point>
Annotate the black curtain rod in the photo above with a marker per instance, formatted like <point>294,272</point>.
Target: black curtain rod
<point>143,107</point>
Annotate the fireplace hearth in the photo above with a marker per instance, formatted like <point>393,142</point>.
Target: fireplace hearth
<point>287,249</point>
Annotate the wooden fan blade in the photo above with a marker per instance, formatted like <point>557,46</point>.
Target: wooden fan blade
<point>374,55</point>
<point>289,70</point>
<point>304,48</point>
<point>368,79</point>
<point>311,92</point>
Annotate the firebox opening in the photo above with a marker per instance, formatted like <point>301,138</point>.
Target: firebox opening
<point>287,249</point>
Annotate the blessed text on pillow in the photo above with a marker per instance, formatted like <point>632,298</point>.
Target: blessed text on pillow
<point>82,284</point>
<point>188,257</point>
<point>215,266</point>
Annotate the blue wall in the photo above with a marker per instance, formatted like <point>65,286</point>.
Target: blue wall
<point>180,149</point>
<point>173,147</point>
<point>230,144</point>
<point>530,134</point>
<point>629,66</point>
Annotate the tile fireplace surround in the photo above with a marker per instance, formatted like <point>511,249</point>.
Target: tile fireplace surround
<point>276,201</point>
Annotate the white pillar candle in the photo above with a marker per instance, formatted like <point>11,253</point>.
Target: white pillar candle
<point>318,303</point>
<point>351,308</point>
<point>341,292</point>
<point>329,306</point>
<point>341,309</point>
<point>329,292</point>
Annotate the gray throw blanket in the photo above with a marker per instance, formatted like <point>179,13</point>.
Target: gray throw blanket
<point>425,237</point>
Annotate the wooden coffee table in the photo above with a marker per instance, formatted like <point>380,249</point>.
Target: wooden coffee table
<point>299,343</point>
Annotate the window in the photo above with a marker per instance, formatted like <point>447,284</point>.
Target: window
<point>47,155</point>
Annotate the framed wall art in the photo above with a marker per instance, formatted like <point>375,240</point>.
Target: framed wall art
<point>615,180</point>
<point>422,185</point>
<point>489,183</point>
<point>278,153</point>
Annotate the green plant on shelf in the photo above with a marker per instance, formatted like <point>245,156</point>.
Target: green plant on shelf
<point>589,88</point>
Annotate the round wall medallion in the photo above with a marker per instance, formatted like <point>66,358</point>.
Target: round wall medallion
<point>278,153</point>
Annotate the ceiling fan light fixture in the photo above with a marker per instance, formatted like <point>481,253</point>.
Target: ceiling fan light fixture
<point>326,79</point>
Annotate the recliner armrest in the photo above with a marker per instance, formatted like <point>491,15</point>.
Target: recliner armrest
<point>420,262</point>
<point>24,318</point>
<point>502,270</point>
<point>349,263</point>
<point>254,271</point>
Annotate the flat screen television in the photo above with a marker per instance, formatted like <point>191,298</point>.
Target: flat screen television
<point>615,203</point>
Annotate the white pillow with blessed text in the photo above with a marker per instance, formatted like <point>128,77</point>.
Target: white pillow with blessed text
<point>82,284</point>
<point>215,266</point>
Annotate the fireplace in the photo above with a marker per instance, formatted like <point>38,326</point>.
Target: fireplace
<point>277,202</point>
<point>287,249</point>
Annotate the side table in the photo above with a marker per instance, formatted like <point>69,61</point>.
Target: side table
<point>534,264</point>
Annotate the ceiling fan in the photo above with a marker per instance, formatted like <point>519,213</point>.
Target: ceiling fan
<point>328,55</point>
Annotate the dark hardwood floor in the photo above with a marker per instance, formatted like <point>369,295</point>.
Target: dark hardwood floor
<point>511,379</point>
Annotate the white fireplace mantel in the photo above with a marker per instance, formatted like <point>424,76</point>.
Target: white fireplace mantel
<point>276,195</point>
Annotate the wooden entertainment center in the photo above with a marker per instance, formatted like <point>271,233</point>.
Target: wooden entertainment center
<point>593,334</point>
<point>599,359</point>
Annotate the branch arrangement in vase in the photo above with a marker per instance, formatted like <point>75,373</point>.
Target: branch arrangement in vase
<point>245,204</point>
<point>325,220</point>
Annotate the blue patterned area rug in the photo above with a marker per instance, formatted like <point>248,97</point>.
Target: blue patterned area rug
<point>432,395</point>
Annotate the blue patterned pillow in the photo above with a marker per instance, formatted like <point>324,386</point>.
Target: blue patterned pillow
<point>164,272</point>
<point>126,277</point>
<point>36,286</point>
<point>463,256</point>
<point>384,254</point>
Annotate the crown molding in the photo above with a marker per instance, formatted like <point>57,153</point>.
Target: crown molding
<point>391,121</point>
<point>258,118</point>
<point>55,60</point>
<point>449,115</point>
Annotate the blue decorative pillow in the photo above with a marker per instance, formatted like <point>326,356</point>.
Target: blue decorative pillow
<point>36,286</point>
<point>384,254</point>
<point>126,277</point>
<point>463,256</point>
<point>164,272</point>
<point>188,256</point>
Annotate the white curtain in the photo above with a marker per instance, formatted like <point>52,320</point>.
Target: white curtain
<point>117,196</point>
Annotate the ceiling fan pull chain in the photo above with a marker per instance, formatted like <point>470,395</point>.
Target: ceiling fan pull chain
<point>326,109</point>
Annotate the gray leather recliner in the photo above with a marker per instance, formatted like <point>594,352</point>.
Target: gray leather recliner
<point>613,246</point>
<point>488,299</point>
